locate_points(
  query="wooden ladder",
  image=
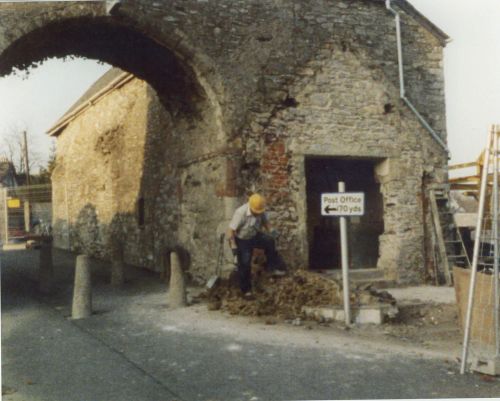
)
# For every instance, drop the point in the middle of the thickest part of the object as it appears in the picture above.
(449, 248)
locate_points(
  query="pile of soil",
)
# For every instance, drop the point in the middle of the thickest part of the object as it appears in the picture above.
(284, 297)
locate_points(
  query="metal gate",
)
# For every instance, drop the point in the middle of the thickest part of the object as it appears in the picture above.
(26, 210)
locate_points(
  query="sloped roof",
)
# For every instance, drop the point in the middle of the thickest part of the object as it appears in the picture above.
(110, 80)
(105, 79)
(422, 20)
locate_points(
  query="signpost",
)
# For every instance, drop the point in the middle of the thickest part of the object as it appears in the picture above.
(344, 204)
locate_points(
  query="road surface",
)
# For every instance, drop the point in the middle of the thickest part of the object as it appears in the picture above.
(135, 348)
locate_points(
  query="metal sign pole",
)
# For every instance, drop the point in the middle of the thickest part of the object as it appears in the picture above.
(344, 204)
(345, 263)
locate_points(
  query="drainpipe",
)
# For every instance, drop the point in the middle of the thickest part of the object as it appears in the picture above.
(402, 92)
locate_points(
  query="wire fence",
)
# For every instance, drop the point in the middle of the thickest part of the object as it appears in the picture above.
(480, 315)
(484, 323)
(26, 210)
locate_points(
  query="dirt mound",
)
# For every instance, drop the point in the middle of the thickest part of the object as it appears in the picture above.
(284, 297)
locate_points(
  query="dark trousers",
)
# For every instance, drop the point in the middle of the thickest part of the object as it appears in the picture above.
(245, 248)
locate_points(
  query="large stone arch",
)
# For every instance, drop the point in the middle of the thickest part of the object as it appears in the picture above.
(180, 74)
(169, 63)
(245, 58)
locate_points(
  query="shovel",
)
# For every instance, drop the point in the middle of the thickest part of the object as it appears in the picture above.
(212, 281)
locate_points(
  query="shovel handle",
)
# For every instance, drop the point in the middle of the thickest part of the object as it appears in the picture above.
(220, 255)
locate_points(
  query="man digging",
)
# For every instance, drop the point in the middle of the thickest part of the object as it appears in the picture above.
(245, 233)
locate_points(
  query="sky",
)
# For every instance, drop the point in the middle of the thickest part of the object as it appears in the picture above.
(472, 77)
(35, 102)
(472, 61)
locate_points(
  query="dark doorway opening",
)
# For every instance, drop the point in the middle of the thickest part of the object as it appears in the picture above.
(323, 175)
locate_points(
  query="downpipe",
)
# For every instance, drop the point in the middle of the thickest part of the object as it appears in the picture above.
(402, 91)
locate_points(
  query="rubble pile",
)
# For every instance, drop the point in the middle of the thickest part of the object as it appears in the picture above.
(420, 315)
(284, 297)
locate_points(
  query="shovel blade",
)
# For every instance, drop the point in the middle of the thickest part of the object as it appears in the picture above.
(212, 281)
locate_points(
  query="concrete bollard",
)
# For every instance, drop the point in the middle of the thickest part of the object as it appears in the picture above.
(82, 291)
(117, 266)
(46, 269)
(177, 288)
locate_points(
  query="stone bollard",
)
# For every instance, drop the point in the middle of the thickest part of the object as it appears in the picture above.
(82, 292)
(46, 269)
(177, 288)
(117, 266)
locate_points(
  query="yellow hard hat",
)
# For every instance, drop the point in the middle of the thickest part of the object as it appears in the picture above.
(257, 204)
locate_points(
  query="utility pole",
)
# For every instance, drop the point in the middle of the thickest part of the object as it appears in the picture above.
(26, 160)
(27, 206)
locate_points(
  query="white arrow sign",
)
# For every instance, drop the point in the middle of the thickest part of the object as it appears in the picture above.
(343, 204)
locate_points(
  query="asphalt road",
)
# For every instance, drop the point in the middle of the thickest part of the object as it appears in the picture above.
(134, 348)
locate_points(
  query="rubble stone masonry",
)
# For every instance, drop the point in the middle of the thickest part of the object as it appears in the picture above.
(244, 91)
(127, 150)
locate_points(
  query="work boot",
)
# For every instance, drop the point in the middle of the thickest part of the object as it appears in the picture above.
(248, 296)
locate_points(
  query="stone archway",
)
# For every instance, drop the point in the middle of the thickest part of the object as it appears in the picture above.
(174, 72)
(248, 61)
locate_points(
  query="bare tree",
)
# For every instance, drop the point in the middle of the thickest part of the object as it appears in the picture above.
(12, 147)
(45, 174)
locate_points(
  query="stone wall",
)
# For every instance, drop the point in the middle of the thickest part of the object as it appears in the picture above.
(244, 53)
(125, 150)
(339, 110)
(138, 150)
(251, 88)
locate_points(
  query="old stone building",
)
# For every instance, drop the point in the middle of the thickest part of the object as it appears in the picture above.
(123, 173)
(282, 97)
(7, 173)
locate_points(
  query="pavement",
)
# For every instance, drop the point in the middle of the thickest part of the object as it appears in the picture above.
(134, 347)
(424, 294)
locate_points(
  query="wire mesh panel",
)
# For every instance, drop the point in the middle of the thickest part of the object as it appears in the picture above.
(26, 210)
(3, 215)
(478, 288)
(482, 326)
